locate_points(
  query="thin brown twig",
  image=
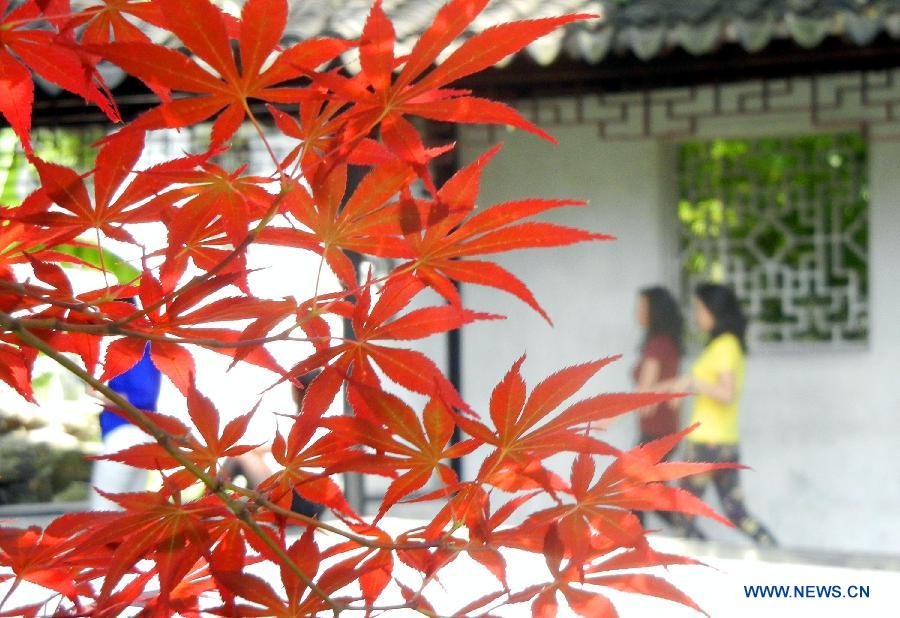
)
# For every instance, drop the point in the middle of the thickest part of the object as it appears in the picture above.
(360, 540)
(25, 290)
(110, 328)
(165, 440)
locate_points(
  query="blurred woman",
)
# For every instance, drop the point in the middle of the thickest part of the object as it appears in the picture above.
(660, 318)
(717, 380)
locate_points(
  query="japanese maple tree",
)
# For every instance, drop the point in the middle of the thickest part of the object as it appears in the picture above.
(164, 555)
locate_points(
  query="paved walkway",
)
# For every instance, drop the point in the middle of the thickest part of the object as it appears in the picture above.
(739, 582)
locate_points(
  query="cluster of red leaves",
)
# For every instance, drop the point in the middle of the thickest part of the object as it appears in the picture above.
(166, 556)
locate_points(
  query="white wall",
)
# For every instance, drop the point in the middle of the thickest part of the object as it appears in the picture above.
(589, 289)
(820, 430)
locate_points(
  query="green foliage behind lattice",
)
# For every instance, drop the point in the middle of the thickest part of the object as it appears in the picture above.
(785, 219)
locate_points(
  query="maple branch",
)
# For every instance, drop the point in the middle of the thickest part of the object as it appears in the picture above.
(371, 104)
(213, 484)
(111, 328)
(25, 290)
(200, 279)
(388, 608)
(261, 500)
(165, 441)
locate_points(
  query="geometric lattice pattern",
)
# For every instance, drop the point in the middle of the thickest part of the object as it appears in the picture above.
(866, 101)
(785, 222)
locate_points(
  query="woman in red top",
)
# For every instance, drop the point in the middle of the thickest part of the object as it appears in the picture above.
(660, 317)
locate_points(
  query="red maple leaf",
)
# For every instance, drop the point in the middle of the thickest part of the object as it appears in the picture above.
(527, 430)
(210, 202)
(440, 231)
(408, 368)
(36, 556)
(164, 316)
(110, 19)
(54, 57)
(569, 580)
(380, 99)
(304, 462)
(401, 443)
(365, 223)
(202, 28)
(115, 203)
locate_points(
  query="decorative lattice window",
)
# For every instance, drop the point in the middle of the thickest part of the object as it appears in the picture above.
(785, 222)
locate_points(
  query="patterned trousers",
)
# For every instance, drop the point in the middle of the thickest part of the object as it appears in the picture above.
(728, 488)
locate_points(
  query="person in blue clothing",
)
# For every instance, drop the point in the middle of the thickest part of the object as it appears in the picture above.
(140, 385)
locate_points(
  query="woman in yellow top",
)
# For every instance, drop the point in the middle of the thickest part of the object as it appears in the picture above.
(717, 380)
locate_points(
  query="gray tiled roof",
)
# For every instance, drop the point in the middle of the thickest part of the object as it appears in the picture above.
(645, 27)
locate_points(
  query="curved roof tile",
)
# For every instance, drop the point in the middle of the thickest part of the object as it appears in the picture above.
(644, 27)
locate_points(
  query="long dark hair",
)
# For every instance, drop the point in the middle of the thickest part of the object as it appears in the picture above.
(664, 316)
(723, 304)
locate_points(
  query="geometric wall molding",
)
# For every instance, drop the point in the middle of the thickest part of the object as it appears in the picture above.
(865, 101)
